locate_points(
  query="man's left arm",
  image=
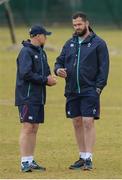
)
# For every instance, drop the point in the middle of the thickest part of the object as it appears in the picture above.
(103, 67)
(48, 71)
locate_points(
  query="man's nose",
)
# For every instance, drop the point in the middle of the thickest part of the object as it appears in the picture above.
(77, 27)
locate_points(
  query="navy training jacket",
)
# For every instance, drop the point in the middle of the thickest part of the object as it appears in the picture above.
(32, 72)
(87, 64)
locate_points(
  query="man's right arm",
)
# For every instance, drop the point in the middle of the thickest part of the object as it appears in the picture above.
(59, 68)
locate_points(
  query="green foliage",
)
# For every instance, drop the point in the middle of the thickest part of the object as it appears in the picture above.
(56, 147)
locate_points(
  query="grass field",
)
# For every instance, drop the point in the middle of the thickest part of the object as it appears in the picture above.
(56, 147)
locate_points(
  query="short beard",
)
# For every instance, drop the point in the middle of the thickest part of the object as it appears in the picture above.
(82, 33)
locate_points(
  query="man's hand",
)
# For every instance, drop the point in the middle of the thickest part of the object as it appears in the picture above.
(62, 72)
(51, 80)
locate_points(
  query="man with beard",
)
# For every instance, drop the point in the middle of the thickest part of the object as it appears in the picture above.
(84, 64)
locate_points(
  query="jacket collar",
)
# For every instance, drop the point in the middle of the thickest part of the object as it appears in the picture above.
(85, 41)
(28, 44)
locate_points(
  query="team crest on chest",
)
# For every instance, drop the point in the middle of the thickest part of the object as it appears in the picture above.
(36, 56)
(71, 45)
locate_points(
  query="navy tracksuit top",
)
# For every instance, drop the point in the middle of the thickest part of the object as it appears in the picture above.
(32, 72)
(87, 64)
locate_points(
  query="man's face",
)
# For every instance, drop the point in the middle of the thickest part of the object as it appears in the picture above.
(80, 26)
(41, 39)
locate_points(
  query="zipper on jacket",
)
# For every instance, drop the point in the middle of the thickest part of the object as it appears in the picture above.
(42, 76)
(80, 40)
(28, 94)
(78, 62)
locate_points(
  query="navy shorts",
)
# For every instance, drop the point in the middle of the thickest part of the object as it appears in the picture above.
(85, 106)
(31, 113)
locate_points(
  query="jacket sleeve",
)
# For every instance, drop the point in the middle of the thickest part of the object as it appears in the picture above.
(103, 65)
(60, 61)
(25, 69)
(48, 71)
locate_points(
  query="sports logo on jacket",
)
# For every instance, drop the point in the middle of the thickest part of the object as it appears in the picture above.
(71, 45)
(36, 56)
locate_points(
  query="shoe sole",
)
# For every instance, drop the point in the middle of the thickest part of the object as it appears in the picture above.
(26, 171)
(86, 169)
(75, 168)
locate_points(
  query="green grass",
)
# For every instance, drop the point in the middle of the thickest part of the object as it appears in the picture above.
(56, 147)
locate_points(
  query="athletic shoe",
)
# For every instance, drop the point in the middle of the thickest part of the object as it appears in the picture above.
(78, 164)
(87, 164)
(35, 166)
(25, 167)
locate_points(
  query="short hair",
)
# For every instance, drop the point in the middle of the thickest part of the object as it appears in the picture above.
(81, 15)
